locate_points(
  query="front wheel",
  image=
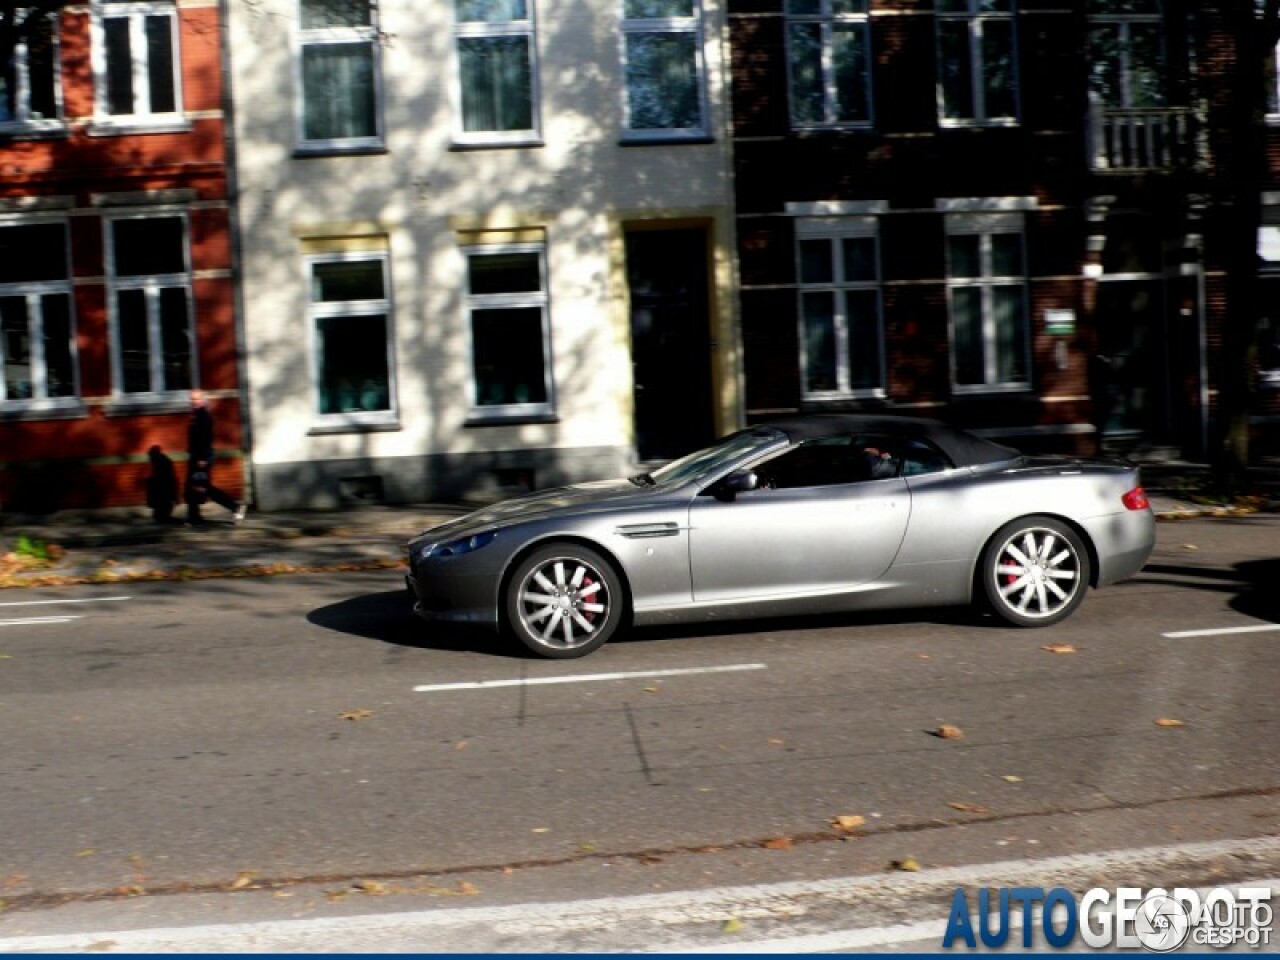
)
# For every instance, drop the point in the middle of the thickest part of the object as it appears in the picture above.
(1035, 572)
(564, 600)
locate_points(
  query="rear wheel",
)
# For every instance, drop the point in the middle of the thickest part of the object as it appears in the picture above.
(1035, 571)
(564, 600)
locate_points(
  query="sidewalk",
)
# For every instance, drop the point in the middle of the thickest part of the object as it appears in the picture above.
(122, 545)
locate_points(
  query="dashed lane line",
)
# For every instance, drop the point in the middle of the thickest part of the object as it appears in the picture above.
(585, 678)
(26, 621)
(45, 603)
(1221, 631)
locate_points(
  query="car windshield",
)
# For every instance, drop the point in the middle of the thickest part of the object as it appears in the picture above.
(711, 459)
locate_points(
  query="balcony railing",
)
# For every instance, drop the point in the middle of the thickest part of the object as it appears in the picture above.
(1135, 140)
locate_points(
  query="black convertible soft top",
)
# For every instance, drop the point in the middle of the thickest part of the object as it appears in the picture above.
(963, 448)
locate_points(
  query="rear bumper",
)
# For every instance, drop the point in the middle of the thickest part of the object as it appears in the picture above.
(1124, 542)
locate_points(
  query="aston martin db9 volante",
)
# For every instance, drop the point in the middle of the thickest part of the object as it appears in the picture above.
(809, 515)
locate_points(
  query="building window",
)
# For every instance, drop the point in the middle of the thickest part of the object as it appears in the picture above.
(662, 63)
(350, 315)
(37, 326)
(828, 56)
(977, 62)
(987, 294)
(497, 71)
(510, 339)
(1126, 53)
(30, 88)
(841, 330)
(339, 66)
(136, 60)
(152, 319)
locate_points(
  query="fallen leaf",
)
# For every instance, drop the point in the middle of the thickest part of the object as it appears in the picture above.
(1059, 648)
(967, 807)
(87, 852)
(131, 890)
(336, 894)
(355, 715)
(909, 865)
(587, 847)
(541, 830)
(776, 741)
(466, 889)
(651, 689)
(778, 843)
(1010, 778)
(1166, 722)
(732, 925)
(849, 822)
(243, 879)
(948, 732)
(462, 745)
(1189, 546)
(372, 887)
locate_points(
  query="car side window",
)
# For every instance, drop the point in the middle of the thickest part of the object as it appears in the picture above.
(920, 457)
(830, 461)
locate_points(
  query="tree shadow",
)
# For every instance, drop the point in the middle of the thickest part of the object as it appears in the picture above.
(1251, 583)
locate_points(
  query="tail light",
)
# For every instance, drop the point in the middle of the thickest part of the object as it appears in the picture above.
(1136, 499)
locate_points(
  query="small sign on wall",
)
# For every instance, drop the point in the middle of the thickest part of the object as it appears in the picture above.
(1060, 323)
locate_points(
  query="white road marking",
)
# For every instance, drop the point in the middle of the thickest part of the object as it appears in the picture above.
(40, 603)
(686, 921)
(1221, 631)
(585, 678)
(18, 623)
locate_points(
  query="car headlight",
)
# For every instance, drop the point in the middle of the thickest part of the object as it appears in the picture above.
(456, 548)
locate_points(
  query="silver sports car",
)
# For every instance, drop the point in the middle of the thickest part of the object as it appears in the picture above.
(808, 515)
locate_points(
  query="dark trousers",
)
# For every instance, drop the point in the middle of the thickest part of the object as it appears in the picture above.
(197, 494)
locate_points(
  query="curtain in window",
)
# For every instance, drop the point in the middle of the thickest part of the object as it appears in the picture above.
(338, 85)
(1011, 335)
(820, 341)
(662, 81)
(497, 83)
(966, 318)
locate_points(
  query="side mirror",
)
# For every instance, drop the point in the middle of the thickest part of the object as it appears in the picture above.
(741, 481)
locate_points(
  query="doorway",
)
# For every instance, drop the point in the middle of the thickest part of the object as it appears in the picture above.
(667, 272)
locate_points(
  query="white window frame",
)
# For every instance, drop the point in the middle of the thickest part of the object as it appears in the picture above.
(136, 12)
(833, 230)
(539, 299)
(977, 18)
(34, 292)
(471, 30)
(1273, 80)
(1122, 22)
(317, 310)
(306, 38)
(151, 286)
(985, 226)
(653, 26)
(23, 121)
(827, 18)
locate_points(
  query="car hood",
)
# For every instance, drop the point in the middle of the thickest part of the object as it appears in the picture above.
(603, 494)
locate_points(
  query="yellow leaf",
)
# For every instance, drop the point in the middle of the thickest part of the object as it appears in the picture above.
(242, 880)
(778, 843)
(541, 830)
(849, 822)
(355, 714)
(1189, 546)
(1010, 778)
(910, 865)
(86, 852)
(651, 689)
(466, 889)
(372, 887)
(1059, 648)
(732, 925)
(948, 732)
(462, 745)
(968, 807)
(1166, 722)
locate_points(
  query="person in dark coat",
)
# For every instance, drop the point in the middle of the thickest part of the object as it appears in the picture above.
(200, 486)
(162, 485)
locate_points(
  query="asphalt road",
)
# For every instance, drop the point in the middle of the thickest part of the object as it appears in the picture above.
(306, 740)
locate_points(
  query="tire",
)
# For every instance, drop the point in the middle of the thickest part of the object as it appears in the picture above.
(1035, 572)
(564, 600)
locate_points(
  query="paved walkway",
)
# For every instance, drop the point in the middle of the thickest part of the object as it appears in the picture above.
(122, 545)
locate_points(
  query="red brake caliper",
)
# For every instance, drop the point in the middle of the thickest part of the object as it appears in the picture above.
(590, 615)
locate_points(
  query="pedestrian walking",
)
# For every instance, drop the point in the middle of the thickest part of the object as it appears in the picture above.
(200, 488)
(162, 485)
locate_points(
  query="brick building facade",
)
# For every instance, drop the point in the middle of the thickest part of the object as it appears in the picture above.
(116, 287)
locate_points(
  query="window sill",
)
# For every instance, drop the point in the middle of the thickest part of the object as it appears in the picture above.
(388, 423)
(18, 410)
(34, 131)
(130, 128)
(987, 390)
(305, 151)
(659, 138)
(153, 403)
(832, 129)
(464, 144)
(508, 419)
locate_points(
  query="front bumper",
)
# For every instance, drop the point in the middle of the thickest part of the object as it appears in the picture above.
(440, 597)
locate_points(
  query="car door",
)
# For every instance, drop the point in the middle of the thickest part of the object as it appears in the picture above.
(818, 524)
